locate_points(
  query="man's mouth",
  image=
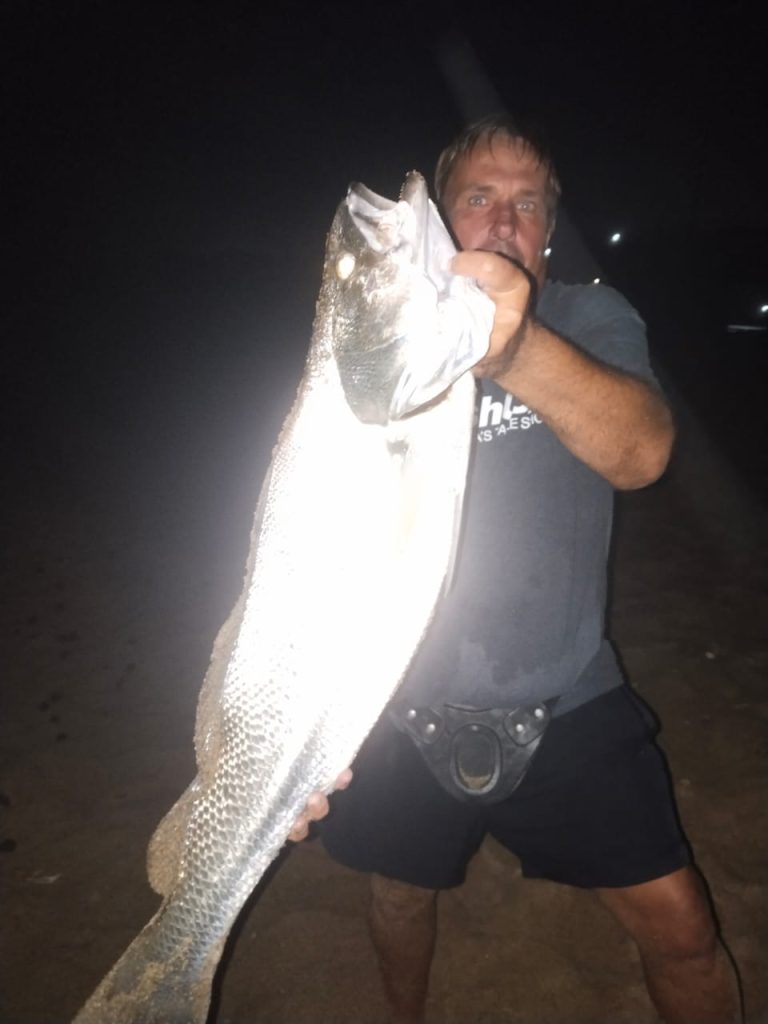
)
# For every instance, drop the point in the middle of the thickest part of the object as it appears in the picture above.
(510, 251)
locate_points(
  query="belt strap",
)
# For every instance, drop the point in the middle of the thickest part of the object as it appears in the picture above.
(476, 754)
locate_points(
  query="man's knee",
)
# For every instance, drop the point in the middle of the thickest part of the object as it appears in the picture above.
(670, 917)
(692, 941)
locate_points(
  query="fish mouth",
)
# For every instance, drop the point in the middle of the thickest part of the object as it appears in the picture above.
(363, 197)
(413, 192)
(385, 223)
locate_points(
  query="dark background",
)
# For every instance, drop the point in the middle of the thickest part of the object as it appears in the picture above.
(171, 170)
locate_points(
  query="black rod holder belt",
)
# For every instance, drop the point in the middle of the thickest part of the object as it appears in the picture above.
(476, 754)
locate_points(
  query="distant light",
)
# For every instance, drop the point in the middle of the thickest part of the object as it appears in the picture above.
(615, 238)
(548, 251)
(764, 308)
(596, 280)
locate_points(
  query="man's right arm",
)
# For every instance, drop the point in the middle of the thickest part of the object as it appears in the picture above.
(617, 424)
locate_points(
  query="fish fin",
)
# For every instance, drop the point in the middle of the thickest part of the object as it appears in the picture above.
(429, 487)
(454, 553)
(208, 720)
(167, 843)
(416, 482)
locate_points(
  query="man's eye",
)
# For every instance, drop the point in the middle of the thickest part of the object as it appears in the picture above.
(527, 206)
(477, 200)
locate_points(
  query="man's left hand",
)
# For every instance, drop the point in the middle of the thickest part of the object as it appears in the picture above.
(317, 808)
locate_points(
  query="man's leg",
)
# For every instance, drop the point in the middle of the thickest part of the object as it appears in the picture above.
(403, 921)
(689, 974)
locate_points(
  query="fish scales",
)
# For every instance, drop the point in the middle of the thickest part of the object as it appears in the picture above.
(354, 537)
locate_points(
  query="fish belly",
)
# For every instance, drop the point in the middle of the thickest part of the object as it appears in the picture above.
(354, 536)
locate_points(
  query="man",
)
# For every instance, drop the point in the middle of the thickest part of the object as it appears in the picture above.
(569, 410)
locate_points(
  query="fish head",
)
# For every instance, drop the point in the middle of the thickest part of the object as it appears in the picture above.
(398, 334)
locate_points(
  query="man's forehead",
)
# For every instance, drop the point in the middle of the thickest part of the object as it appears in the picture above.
(499, 157)
(502, 149)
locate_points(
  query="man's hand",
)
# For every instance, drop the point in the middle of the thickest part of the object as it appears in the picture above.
(317, 808)
(509, 286)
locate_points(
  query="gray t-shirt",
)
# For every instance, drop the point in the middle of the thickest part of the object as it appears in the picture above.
(524, 619)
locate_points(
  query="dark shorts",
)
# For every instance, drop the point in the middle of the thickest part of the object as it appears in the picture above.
(595, 810)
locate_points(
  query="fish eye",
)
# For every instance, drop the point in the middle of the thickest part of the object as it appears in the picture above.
(345, 264)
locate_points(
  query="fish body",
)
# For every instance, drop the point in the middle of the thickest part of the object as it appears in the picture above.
(354, 537)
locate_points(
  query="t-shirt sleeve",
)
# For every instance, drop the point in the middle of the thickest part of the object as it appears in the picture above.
(601, 322)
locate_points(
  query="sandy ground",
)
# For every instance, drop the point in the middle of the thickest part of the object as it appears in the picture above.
(111, 597)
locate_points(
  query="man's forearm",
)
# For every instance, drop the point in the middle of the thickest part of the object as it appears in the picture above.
(618, 425)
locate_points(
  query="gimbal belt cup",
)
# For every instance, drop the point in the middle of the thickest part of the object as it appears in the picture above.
(476, 754)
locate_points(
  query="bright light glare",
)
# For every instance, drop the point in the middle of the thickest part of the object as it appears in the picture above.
(615, 237)
(596, 280)
(764, 308)
(548, 251)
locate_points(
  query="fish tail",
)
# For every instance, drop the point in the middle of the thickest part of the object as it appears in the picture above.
(146, 987)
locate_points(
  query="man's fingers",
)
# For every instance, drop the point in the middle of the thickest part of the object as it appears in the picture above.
(300, 829)
(509, 286)
(493, 272)
(343, 780)
(317, 807)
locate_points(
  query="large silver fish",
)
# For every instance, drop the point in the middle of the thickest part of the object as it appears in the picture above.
(354, 537)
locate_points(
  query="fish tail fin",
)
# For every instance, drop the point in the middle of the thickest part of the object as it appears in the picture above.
(147, 987)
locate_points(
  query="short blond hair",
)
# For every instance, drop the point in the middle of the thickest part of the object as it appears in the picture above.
(486, 130)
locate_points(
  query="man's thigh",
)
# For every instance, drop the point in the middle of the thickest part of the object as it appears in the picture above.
(597, 809)
(395, 820)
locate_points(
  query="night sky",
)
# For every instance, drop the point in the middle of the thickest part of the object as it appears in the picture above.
(172, 169)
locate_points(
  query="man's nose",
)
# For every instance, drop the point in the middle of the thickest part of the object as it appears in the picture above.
(505, 220)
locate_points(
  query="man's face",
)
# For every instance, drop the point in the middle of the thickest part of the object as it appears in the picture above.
(495, 199)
